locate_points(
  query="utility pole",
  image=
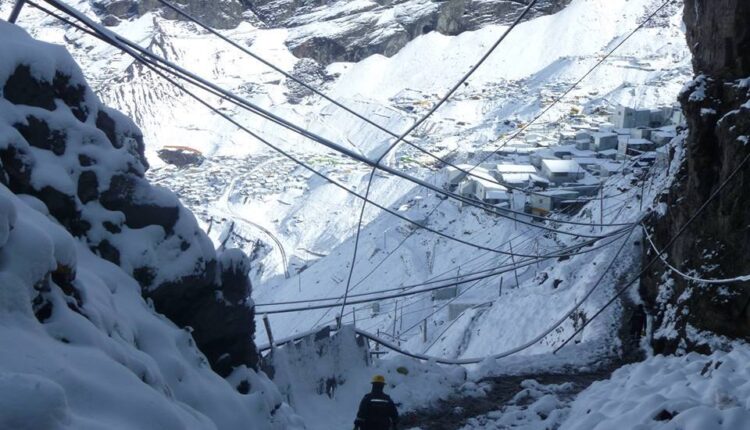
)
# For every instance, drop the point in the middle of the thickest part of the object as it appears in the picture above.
(601, 208)
(16, 11)
(395, 315)
(513, 260)
(643, 190)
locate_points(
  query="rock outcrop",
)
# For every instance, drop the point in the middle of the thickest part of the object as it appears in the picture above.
(717, 244)
(84, 162)
(216, 13)
(330, 31)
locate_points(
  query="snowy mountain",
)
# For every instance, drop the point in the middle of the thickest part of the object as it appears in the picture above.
(293, 223)
(575, 61)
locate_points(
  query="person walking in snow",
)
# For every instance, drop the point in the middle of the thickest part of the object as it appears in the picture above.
(376, 410)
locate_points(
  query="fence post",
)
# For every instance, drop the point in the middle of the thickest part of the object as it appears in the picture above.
(424, 330)
(267, 324)
(338, 321)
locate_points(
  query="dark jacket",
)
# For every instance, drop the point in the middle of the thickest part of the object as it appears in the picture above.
(376, 411)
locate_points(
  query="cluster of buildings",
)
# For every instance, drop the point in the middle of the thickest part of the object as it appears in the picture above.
(569, 170)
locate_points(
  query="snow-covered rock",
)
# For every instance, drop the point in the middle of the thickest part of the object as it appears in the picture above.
(693, 392)
(83, 164)
(83, 350)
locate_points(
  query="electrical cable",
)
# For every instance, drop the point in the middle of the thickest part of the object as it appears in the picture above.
(411, 293)
(668, 245)
(664, 260)
(183, 74)
(154, 68)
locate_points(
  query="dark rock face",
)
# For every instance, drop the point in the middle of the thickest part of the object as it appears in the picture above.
(226, 306)
(216, 13)
(181, 157)
(338, 31)
(717, 243)
(86, 164)
(309, 72)
(359, 33)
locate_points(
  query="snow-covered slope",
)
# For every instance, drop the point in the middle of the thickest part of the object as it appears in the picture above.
(104, 358)
(81, 347)
(293, 223)
(312, 222)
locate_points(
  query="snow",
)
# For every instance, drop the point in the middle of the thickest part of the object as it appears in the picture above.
(115, 362)
(242, 182)
(689, 392)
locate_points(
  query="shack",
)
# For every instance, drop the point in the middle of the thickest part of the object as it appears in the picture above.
(635, 146)
(544, 202)
(625, 117)
(561, 171)
(603, 141)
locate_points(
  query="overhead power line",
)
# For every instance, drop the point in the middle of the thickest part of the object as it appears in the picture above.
(557, 100)
(463, 280)
(666, 247)
(414, 126)
(677, 271)
(157, 69)
(183, 74)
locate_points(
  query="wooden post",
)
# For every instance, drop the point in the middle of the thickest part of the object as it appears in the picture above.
(16, 11)
(500, 289)
(424, 330)
(601, 208)
(267, 324)
(513, 260)
(643, 189)
(338, 321)
(395, 316)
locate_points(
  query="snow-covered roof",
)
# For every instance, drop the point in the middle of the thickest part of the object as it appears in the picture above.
(638, 142)
(517, 178)
(562, 166)
(601, 134)
(588, 160)
(515, 168)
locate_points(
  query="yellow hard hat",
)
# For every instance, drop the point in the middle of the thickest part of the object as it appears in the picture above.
(378, 379)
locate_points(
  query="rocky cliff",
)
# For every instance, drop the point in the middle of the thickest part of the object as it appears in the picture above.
(84, 164)
(717, 244)
(329, 31)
